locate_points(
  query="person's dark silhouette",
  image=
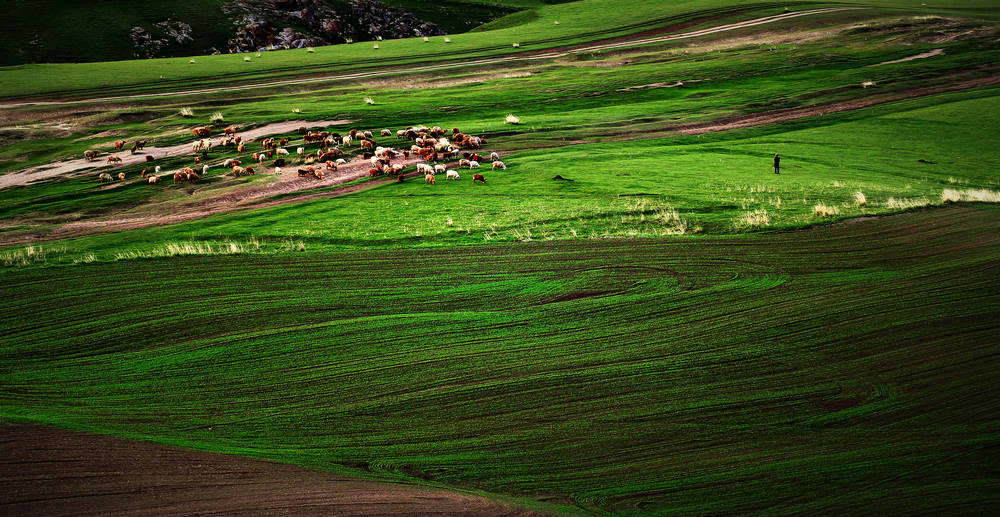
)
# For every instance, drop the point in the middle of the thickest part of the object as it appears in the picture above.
(777, 163)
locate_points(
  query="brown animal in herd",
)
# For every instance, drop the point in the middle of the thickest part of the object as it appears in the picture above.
(149, 158)
(429, 178)
(330, 166)
(201, 132)
(121, 176)
(114, 160)
(231, 130)
(283, 142)
(120, 144)
(91, 155)
(478, 177)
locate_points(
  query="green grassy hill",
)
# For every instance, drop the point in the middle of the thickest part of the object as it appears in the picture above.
(677, 330)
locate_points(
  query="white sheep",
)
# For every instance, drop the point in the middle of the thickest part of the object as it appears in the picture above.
(282, 151)
(369, 135)
(157, 170)
(204, 169)
(424, 168)
(277, 170)
(386, 132)
(452, 175)
(499, 165)
(341, 161)
(152, 179)
(494, 156)
(438, 169)
(375, 160)
(300, 151)
(347, 140)
(473, 164)
(463, 163)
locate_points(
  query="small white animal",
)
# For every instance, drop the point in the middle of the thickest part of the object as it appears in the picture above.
(277, 169)
(473, 164)
(452, 175)
(499, 165)
(157, 170)
(282, 151)
(300, 151)
(439, 169)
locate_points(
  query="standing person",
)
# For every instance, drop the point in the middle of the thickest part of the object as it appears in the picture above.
(777, 163)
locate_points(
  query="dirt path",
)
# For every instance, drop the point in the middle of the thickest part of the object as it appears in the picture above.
(607, 44)
(55, 169)
(784, 115)
(925, 55)
(53, 472)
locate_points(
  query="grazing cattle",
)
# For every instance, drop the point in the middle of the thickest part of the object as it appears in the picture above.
(307, 171)
(330, 166)
(425, 168)
(438, 169)
(452, 175)
(152, 179)
(478, 178)
(386, 132)
(193, 178)
(134, 148)
(368, 145)
(250, 170)
(179, 177)
(120, 144)
(283, 142)
(231, 130)
(282, 152)
(318, 174)
(238, 171)
(121, 176)
(499, 165)
(464, 163)
(114, 160)
(330, 155)
(90, 155)
(280, 162)
(429, 178)
(201, 132)
(149, 158)
(104, 177)
(473, 164)
(232, 162)
(494, 157)
(346, 141)
(139, 145)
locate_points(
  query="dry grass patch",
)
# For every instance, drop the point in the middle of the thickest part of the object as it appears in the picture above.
(824, 210)
(906, 203)
(753, 219)
(971, 195)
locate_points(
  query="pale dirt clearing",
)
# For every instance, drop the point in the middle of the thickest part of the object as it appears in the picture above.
(63, 168)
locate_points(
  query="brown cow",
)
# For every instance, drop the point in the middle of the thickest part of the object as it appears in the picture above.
(90, 155)
(429, 178)
(119, 145)
(114, 159)
(201, 132)
(231, 130)
(478, 177)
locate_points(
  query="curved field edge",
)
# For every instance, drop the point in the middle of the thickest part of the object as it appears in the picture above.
(52, 472)
(740, 374)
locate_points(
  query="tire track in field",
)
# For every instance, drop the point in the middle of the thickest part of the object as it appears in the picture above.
(525, 56)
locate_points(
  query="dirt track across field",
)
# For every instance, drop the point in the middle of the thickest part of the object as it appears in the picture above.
(527, 54)
(56, 169)
(51, 472)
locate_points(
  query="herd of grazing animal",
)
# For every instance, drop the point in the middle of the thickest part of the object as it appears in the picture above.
(429, 144)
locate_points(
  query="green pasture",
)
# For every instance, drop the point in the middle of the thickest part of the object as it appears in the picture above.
(846, 369)
(578, 21)
(687, 185)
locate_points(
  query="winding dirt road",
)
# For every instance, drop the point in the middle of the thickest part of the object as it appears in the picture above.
(558, 52)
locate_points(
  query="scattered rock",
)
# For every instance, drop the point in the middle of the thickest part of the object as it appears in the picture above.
(560, 178)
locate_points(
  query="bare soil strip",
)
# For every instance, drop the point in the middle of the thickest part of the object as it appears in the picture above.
(925, 55)
(608, 44)
(53, 473)
(55, 169)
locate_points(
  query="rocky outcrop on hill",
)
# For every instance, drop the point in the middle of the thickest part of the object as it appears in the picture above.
(168, 32)
(267, 24)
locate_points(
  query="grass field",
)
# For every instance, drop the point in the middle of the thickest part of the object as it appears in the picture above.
(677, 330)
(839, 369)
